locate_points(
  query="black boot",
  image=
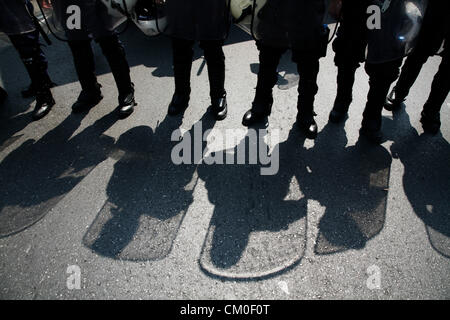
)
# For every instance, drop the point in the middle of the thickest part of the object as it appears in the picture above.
(371, 129)
(431, 121)
(179, 104)
(258, 113)
(394, 100)
(3, 95)
(307, 125)
(44, 103)
(339, 111)
(126, 104)
(219, 107)
(88, 99)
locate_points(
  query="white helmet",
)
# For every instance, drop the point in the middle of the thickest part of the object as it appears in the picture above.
(147, 17)
(241, 8)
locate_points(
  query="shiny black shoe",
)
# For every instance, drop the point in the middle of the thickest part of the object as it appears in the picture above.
(179, 104)
(219, 107)
(431, 122)
(339, 112)
(251, 117)
(87, 99)
(308, 125)
(371, 130)
(393, 101)
(3, 95)
(44, 103)
(126, 105)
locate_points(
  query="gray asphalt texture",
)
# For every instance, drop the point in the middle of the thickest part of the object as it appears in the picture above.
(103, 194)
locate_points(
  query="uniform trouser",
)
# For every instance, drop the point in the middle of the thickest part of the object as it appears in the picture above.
(114, 52)
(440, 86)
(29, 49)
(183, 54)
(349, 48)
(410, 71)
(441, 82)
(381, 77)
(308, 69)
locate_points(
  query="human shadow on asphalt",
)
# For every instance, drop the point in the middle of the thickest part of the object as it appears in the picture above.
(259, 226)
(426, 178)
(148, 194)
(37, 174)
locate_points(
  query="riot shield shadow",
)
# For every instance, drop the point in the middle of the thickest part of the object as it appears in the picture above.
(258, 228)
(426, 179)
(354, 189)
(148, 195)
(37, 174)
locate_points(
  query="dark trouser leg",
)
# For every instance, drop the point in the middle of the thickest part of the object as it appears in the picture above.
(440, 86)
(308, 70)
(269, 58)
(381, 76)
(83, 58)
(409, 73)
(439, 91)
(345, 82)
(182, 65)
(346, 70)
(349, 48)
(29, 49)
(36, 64)
(215, 58)
(114, 52)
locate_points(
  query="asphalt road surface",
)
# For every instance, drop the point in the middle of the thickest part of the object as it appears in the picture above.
(99, 199)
